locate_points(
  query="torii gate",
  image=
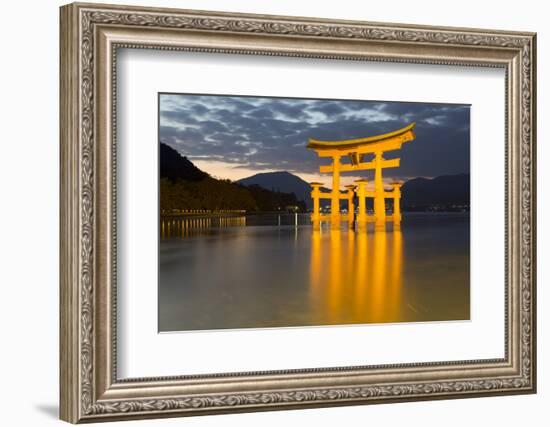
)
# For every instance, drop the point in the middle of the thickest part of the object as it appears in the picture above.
(356, 149)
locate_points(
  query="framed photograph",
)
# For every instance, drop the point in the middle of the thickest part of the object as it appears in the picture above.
(267, 212)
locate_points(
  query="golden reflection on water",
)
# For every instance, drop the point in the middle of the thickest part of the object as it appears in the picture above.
(192, 226)
(249, 274)
(357, 277)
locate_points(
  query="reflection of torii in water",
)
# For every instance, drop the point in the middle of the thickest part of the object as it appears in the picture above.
(356, 149)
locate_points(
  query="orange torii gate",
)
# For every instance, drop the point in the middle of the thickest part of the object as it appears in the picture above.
(356, 149)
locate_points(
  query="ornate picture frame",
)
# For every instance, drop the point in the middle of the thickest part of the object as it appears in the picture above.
(90, 37)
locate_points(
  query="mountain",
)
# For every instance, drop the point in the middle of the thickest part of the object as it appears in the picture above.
(442, 191)
(417, 194)
(283, 182)
(174, 166)
(183, 186)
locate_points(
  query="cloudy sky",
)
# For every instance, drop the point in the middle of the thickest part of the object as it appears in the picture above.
(234, 136)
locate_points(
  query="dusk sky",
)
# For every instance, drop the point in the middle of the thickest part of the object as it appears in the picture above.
(234, 137)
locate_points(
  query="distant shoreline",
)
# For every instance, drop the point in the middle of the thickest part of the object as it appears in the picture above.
(232, 213)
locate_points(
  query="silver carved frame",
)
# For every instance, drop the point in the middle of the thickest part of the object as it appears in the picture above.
(90, 36)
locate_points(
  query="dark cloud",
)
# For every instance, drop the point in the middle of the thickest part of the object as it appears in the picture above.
(272, 133)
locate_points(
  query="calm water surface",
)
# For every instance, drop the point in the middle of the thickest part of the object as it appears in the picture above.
(226, 273)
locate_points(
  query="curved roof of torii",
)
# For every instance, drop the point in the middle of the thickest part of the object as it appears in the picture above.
(354, 143)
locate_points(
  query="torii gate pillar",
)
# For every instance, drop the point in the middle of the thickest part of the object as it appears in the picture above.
(362, 196)
(379, 201)
(351, 205)
(396, 205)
(335, 196)
(316, 195)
